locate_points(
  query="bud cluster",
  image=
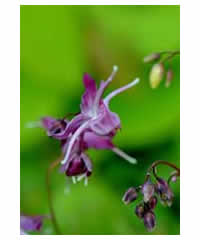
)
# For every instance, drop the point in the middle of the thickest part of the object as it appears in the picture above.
(151, 192)
(158, 70)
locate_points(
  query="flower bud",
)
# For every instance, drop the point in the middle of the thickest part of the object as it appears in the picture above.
(165, 193)
(151, 58)
(149, 220)
(139, 210)
(152, 202)
(156, 75)
(148, 190)
(130, 195)
(169, 78)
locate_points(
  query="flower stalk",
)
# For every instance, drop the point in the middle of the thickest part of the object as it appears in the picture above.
(50, 199)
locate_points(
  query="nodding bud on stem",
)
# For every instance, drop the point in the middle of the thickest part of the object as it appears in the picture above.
(164, 191)
(130, 195)
(139, 210)
(169, 78)
(147, 190)
(156, 75)
(152, 57)
(149, 220)
(152, 202)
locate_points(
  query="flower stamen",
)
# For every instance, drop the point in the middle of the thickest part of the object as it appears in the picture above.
(120, 90)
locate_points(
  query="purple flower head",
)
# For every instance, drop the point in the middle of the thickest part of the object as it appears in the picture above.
(94, 127)
(30, 223)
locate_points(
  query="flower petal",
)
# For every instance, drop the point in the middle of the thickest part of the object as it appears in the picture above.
(92, 140)
(106, 122)
(48, 122)
(89, 95)
(56, 128)
(31, 223)
(87, 162)
(74, 124)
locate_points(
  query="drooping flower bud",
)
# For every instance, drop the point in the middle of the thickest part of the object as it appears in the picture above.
(139, 210)
(152, 202)
(165, 193)
(130, 195)
(169, 78)
(148, 190)
(149, 220)
(152, 57)
(156, 75)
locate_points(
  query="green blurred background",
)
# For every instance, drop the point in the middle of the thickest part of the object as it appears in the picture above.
(59, 44)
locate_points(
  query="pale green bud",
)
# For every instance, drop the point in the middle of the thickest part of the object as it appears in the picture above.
(156, 75)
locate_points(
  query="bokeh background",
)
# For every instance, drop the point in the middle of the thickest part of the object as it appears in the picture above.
(59, 44)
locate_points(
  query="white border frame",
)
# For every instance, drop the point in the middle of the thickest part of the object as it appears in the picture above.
(10, 102)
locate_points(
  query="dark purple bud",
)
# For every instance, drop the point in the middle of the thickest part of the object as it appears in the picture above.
(130, 195)
(148, 190)
(152, 57)
(152, 202)
(165, 193)
(149, 220)
(139, 210)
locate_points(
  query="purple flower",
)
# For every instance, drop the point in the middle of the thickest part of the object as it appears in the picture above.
(30, 223)
(94, 127)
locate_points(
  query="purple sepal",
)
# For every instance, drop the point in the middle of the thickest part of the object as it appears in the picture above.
(98, 142)
(56, 128)
(30, 223)
(89, 95)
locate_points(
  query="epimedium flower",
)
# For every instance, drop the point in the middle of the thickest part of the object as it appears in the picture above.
(94, 127)
(30, 223)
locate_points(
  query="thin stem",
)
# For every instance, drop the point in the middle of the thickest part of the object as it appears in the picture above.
(170, 56)
(155, 164)
(50, 200)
